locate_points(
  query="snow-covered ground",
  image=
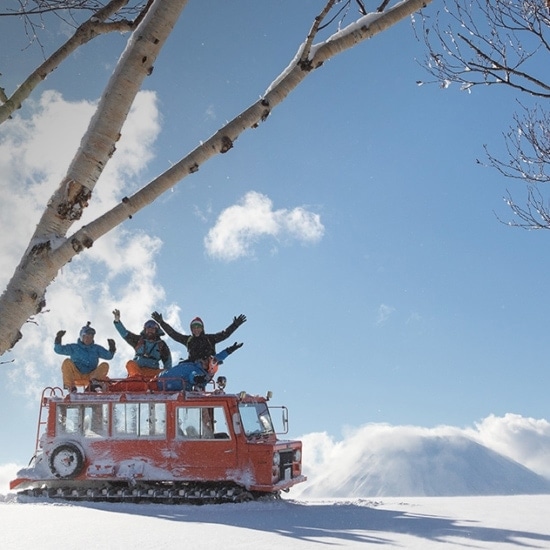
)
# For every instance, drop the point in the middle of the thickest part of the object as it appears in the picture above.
(393, 486)
(411, 523)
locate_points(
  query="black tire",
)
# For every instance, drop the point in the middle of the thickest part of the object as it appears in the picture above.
(66, 461)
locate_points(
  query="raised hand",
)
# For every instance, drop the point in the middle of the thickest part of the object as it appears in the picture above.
(234, 347)
(238, 321)
(116, 313)
(157, 316)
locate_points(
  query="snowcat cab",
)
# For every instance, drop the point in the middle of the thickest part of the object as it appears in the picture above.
(134, 442)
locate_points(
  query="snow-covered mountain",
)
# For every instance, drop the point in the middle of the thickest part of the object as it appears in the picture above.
(407, 462)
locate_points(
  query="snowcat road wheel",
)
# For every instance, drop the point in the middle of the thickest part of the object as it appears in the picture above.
(66, 461)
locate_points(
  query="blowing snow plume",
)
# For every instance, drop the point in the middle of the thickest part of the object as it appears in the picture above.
(380, 460)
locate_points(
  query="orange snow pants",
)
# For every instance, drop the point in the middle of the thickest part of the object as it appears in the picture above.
(135, 370)
(72, 376)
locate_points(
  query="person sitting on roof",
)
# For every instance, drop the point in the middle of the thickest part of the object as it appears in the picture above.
(194, 375)
(199, 344)
(84, 355)
(150, 349)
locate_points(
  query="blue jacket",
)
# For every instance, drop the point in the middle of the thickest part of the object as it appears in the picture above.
(184, 374)
(85, 357)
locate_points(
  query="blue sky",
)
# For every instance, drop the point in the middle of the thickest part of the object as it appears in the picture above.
(412, 304)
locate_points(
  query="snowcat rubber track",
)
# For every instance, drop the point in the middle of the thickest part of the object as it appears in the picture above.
(195, 493)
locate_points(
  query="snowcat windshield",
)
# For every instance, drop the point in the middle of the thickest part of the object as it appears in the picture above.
(256, 419)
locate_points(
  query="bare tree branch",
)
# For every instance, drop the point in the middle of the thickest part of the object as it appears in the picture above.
(488, 43)
(528, 148)
(536, 215)
(95, 26)
(306, 49)
(30, 8)
(505, 43)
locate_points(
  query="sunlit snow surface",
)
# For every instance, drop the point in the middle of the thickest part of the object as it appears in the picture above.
(412, 523)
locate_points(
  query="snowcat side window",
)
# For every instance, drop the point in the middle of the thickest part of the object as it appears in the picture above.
(153, 419)
(256, 419)
(86, 420)
(69, 419)
(201, 423)
(139, 419)
(96, 421)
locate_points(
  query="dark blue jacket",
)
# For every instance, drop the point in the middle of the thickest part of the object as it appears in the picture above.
(184, 374)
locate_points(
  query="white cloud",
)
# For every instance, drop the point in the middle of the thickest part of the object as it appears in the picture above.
(210, 113)
(118, 271)
(240, 226)
(525, 440)
(33, 157)
(384, 313)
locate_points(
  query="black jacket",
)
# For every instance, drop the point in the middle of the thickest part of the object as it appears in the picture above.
(199, 347)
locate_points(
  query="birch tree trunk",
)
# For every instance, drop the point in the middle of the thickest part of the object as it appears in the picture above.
(50, 249)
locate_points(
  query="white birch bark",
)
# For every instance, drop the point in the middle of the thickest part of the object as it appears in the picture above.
(50, 250)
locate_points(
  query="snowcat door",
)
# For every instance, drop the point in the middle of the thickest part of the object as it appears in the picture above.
(204, 442)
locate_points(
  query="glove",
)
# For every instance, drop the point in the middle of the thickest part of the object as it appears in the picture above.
(112, 345)
(157, 316)
(59, 335)
(234, 347)
(116, 313)
(238, 321)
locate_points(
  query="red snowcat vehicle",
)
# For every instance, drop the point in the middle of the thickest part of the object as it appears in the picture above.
(133, 442)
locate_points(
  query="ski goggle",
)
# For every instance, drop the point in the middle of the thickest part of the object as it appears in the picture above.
(150, 324)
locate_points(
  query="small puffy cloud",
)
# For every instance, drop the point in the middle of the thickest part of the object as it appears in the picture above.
(384, 313)
(210, 113)
(241, 226)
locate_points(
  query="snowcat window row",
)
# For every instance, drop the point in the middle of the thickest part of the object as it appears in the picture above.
(201, 423)
(139, 420)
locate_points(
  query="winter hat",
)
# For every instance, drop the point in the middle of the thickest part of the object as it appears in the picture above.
(87, 330)
(196, 321)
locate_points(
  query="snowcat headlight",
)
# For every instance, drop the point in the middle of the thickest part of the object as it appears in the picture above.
(276, 459)
(297, 455)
